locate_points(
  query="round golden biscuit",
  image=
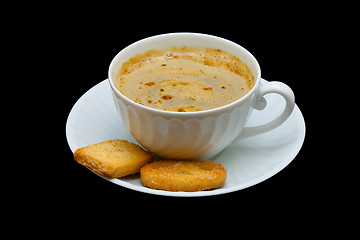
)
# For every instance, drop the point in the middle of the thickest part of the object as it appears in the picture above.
(186, 176)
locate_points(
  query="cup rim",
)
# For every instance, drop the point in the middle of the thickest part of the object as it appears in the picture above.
(198, 113)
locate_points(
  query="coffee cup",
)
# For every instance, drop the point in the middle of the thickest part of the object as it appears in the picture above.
(199, 134)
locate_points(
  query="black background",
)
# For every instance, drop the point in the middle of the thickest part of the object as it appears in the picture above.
(54, 52)
(288, 47)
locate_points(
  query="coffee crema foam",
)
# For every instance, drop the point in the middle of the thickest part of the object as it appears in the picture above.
(184, 79)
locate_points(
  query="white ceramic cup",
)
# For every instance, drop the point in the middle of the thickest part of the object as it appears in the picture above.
(202, 134)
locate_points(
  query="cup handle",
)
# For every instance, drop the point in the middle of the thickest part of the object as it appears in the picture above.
(270, 87)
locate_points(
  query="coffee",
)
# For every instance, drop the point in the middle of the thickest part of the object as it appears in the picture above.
(184, 79)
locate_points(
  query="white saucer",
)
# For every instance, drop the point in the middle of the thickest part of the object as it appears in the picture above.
(93, 119)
